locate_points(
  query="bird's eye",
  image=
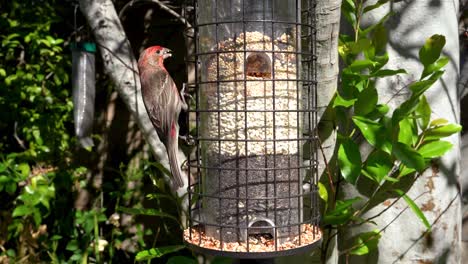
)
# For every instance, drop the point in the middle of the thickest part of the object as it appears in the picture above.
(158, 51)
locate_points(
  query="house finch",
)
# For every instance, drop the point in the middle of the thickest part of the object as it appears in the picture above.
(162, 102)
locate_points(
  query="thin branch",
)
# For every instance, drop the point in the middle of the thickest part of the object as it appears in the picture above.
(330, 178)
(161, 5)
(15, 135)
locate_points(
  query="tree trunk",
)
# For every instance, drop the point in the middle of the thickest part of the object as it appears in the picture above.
(437, 191)
(121, 66)
(328, 26)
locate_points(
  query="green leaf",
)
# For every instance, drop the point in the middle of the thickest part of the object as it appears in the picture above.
(378, 165)
(360, 46)
(441, 131)
(157, 252)
(408, 156)
(380, 38)
(72, 245)
(323, 193)
(414, 208)
(349, 160)
(2, 72)
(430, 52)
(181, 260)
(438, 122)
(366, 101)
(24, 170)
(366, 242)
(340, 101)
(348, 8)
(423, 112)
(359, 65)
(4, 179)
(21, 210)
(144, 211)
(11, 187)
(376, 25)
(387, 72)
(342, 213)
(434, 67)
(419, 87)
(405, 134)
(380, 111)
(373, 132)
(374, 6)
(435, 149)
(405, 171)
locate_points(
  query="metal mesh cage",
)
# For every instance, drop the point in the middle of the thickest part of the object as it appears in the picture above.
(253, 183)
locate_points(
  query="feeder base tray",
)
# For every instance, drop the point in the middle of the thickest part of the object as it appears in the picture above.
(259, 247)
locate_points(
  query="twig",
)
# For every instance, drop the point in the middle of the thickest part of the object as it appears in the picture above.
(15, 135)
(330, 178)
(161, 5)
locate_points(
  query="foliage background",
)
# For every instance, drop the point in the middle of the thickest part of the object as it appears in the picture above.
(58, 200)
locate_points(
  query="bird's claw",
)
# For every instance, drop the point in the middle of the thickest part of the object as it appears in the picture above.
(183, 95)
(189, 140)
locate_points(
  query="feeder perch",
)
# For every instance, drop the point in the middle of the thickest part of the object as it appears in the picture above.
(255, 129)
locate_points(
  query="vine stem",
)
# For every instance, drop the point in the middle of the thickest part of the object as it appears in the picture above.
(327, 167)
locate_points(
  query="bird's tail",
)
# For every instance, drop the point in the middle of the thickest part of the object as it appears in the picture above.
(174, 162)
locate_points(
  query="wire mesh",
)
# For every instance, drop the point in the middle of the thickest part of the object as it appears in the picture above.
(253, 184)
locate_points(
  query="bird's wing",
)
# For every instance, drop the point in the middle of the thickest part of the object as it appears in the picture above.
(159, 96)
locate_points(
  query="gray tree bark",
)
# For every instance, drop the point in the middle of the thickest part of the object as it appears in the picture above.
(121, 66)
(437, 191)
(328, 27)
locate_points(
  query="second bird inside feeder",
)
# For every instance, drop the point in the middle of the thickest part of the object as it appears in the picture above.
(258, 65)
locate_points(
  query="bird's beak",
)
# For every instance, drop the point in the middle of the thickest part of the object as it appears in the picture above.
(167, 53)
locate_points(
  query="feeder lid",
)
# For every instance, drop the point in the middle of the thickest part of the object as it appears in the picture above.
(83, 46)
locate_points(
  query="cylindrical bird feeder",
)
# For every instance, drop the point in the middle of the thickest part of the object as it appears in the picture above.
(253, 184)
(84, 90)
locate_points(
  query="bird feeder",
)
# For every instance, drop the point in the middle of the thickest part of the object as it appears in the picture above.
(253, 185)
(84, 90)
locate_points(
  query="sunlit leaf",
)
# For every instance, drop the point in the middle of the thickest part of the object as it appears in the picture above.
(21, 210)
(365, 243)
(414, 208)
(323, 193)
(423, 112)
(442, 131)
(435, 149)
(405, 134)
(373, 132)
(359, 65)
(436, 66)
(157, 252)
(340, 101)
(438, 122)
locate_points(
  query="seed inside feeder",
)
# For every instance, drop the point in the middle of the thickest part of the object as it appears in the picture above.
(250, 130)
